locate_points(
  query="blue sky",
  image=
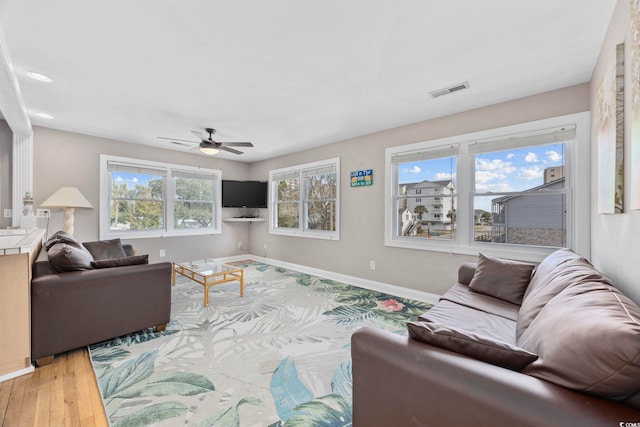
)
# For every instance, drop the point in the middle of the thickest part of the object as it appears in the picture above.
(512, 170)
(133, 179)
(503, 171)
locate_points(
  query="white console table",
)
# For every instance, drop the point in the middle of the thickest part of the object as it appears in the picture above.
(246, 220)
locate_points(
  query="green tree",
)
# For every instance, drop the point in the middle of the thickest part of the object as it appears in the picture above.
(321, 206)
(452, 215)
(420, 210)
(194, 203)
(288, 197)
(138, 207)
(486, 217)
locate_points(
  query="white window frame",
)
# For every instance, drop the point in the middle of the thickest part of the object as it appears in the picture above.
(577, 181)
(169, 207)
(302, 230)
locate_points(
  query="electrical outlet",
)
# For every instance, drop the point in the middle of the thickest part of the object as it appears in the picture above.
(240, 245)
(46, 213)
(161, 253)
(8, 213)
(372, 265)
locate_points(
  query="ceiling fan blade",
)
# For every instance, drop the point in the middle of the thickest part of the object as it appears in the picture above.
(199, 135)
(175, 139)
(237, 144)
(231, 150)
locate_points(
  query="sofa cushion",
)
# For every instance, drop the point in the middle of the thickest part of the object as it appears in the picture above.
(472, 320)
(550, 263)
(588, 339)
(501, 278)
(574, 269)
(473, 345)
(106, 249)
(69, 256)
(121, 262)
(461, 294)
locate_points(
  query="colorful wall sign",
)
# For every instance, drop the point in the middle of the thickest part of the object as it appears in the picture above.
(362, 178)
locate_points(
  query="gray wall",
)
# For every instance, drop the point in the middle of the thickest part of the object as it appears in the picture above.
(362, 208)
(71, 159)
(6, 150)
(615, 239)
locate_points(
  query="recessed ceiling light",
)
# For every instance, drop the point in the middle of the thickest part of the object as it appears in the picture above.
(39, 76)
(44, 116)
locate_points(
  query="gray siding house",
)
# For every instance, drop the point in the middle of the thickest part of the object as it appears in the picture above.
(531, 218)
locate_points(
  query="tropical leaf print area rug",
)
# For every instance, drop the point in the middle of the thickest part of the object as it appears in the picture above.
(278, 356)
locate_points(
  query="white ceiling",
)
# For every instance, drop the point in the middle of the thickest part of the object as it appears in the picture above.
(288, 75)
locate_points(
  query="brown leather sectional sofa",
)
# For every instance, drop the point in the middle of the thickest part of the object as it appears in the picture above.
(563, 349)
(73, 309)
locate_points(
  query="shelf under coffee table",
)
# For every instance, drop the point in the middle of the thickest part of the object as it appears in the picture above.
(208, 273)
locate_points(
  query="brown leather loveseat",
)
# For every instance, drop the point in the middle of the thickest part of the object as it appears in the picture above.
(505, 347)
(92, 292)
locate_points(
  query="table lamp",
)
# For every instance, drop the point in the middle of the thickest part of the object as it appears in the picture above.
(67, 198)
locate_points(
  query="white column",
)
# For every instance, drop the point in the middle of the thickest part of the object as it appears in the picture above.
(22, 172)
(15, 113)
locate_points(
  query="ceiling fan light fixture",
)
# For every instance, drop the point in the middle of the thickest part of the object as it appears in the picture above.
(211, 151)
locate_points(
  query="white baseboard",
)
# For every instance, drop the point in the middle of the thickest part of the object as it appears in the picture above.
(352, 280)
(12, 375)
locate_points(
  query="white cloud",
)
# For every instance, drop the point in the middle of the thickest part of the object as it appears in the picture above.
(530, 173)
(510, 156)
(483, 177)
(489, 170)
(553, 156)
(494, 188)
(497, 165)
(134, 179)
(415, 170)
(118, 179)
(531, 158)
(443, 176)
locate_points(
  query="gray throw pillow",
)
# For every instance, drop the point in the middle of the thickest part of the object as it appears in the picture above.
(501, 278)
(60, 236)
(121, 262)
(479, 347)
(106, 249)
(69, 256)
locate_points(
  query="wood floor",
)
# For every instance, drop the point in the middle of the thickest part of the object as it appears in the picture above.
(64, 393)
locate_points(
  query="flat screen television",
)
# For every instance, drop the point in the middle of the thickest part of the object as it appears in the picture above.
(244, 194)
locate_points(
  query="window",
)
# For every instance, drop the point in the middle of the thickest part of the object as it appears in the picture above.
(511, 191)
(151, 199)
(305, 200)
(521, 189)
(193, 200)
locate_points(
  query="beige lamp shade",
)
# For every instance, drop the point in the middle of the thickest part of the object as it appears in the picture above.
(67, 198)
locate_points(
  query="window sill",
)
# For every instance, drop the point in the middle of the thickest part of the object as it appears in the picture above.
(514, 252)
(307, 234)
(156, 234)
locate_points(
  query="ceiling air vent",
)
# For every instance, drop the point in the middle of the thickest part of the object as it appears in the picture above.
(450, 89)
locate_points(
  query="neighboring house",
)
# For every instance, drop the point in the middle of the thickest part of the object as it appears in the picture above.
(539, 220)
(432, 195)
(408, 221)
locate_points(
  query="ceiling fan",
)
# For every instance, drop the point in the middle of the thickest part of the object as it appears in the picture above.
(209, 146)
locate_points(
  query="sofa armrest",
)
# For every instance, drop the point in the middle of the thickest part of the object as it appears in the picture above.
(128, 249)
(71, 310)
(400, 381)
(466, 272)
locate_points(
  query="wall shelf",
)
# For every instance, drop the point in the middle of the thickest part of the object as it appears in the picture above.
(244, 219)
